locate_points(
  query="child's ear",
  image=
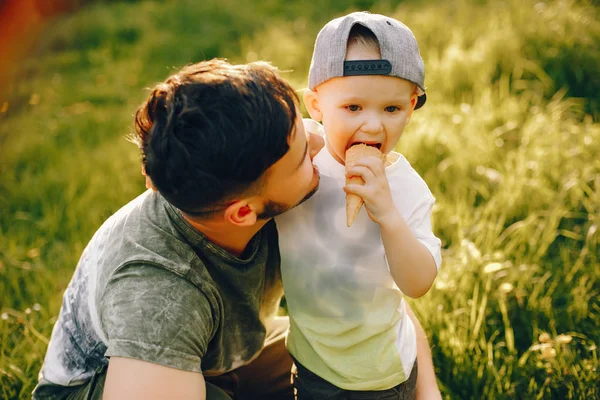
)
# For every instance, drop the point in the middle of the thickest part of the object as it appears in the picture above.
(311, 102)
(413, 102)
(241, 213)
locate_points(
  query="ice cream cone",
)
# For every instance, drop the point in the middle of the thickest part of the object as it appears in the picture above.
(353, 202)
(353, 154)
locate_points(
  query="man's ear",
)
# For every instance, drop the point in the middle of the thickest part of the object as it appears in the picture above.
(311, 102)
(241, 213)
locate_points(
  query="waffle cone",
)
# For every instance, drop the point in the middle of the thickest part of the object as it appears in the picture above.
(353, 154)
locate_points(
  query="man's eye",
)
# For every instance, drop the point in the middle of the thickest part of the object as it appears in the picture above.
(391, 109)
(353, 107)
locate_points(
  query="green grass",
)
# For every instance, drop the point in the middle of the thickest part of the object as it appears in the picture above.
(508, 143)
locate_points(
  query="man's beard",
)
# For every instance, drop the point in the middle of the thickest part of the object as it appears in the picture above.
(273, 208)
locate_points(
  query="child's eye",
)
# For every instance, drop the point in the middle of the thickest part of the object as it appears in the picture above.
(353, 107)
(391, 109)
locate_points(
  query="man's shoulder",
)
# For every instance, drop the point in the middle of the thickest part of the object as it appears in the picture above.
(144, 205)
(133, 216)
(141, 232)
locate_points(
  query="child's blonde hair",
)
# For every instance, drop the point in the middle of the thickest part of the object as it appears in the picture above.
(363, 36)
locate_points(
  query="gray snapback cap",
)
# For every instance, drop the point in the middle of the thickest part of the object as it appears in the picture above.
(400, 55)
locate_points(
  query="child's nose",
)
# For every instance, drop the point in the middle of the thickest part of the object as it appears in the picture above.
(372, 124)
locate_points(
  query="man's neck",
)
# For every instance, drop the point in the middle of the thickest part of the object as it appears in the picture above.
(229, 237)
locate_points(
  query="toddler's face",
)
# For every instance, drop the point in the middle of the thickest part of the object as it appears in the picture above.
(371, 109)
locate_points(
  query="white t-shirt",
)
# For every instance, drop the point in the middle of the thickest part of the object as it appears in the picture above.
(348, 321)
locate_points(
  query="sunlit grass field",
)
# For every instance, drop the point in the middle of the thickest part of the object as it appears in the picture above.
(509, 143)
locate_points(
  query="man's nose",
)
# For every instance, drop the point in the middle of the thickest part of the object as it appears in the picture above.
(315, 144)
(314, 136)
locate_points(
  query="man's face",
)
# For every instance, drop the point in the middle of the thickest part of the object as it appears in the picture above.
(370, 109)
(293, 178)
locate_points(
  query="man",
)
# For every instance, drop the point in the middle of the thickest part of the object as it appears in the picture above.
(176, 295)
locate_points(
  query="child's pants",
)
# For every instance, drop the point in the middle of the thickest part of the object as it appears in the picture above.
(312, 387)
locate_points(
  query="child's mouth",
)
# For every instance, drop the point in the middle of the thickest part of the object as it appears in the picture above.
(377, 145)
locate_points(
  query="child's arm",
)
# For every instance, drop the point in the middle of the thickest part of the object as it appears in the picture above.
(411, 264)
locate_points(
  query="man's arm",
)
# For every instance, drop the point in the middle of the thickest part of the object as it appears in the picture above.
(427, 388)
(128, 378)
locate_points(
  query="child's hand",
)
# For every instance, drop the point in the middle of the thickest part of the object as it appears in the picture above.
(376, 191)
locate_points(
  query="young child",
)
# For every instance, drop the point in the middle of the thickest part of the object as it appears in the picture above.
(344, 286)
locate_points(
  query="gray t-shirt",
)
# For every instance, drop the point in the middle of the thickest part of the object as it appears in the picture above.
(149, 286)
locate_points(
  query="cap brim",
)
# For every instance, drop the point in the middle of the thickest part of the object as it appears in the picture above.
(421, 101)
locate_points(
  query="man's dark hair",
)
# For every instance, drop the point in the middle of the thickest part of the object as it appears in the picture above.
(209, 132)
